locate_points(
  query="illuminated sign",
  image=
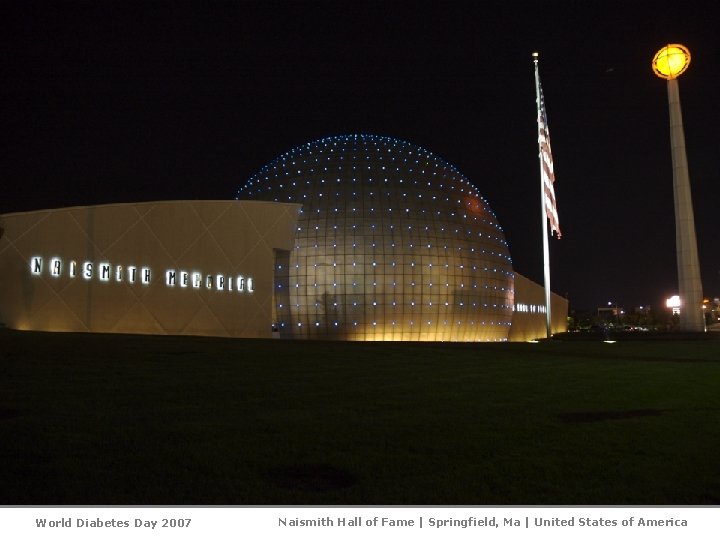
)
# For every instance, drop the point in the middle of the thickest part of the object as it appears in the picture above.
(107, 272)
(529, 308)
(219, 282)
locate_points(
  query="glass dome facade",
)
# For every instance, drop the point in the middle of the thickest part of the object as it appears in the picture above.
(392, 243)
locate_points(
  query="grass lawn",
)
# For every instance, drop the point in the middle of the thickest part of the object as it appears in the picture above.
(115, 419)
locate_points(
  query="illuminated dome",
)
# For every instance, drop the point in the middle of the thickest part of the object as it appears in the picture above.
(393, 243)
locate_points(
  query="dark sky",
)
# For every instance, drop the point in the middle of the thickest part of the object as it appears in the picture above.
(107, 102)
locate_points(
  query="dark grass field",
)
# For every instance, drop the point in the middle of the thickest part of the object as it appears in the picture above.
(114, 420)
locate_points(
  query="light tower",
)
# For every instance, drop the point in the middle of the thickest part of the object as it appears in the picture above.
(668, 63)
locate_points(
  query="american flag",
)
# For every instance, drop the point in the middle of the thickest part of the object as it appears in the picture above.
(548, 175)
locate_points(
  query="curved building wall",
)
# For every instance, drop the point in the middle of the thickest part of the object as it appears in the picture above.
(175, 267)
(392, 243)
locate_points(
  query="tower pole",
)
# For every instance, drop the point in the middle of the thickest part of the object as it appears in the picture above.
(688, 265)
(669, 63)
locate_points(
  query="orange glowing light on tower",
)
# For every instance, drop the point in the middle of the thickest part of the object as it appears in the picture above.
(671, 61)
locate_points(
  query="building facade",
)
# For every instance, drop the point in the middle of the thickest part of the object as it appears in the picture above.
(177, 267)
(350, 238)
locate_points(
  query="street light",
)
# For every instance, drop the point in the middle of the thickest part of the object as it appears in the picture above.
(617, 312)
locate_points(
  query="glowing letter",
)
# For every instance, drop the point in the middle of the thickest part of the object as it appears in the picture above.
(220, 282)
(104, 271)
(170, 278)
(145, 275)
(183, 279)
(197, 279)
(250, 284)
(55, 267)
(87, 270)
(36, 265)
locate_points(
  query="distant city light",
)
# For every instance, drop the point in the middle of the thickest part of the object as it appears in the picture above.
(674, 303)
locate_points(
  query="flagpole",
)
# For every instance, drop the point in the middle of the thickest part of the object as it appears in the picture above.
(546, 247)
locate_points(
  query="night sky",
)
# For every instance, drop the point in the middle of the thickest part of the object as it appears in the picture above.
(107, 102)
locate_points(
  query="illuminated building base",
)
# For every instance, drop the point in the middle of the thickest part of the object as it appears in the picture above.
(177, 267)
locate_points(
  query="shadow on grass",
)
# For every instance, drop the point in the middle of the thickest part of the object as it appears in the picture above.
(8, 414)
(311, 477)
(601, 416)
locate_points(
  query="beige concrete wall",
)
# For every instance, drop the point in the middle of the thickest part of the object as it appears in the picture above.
(528, 321)
(211, 238)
